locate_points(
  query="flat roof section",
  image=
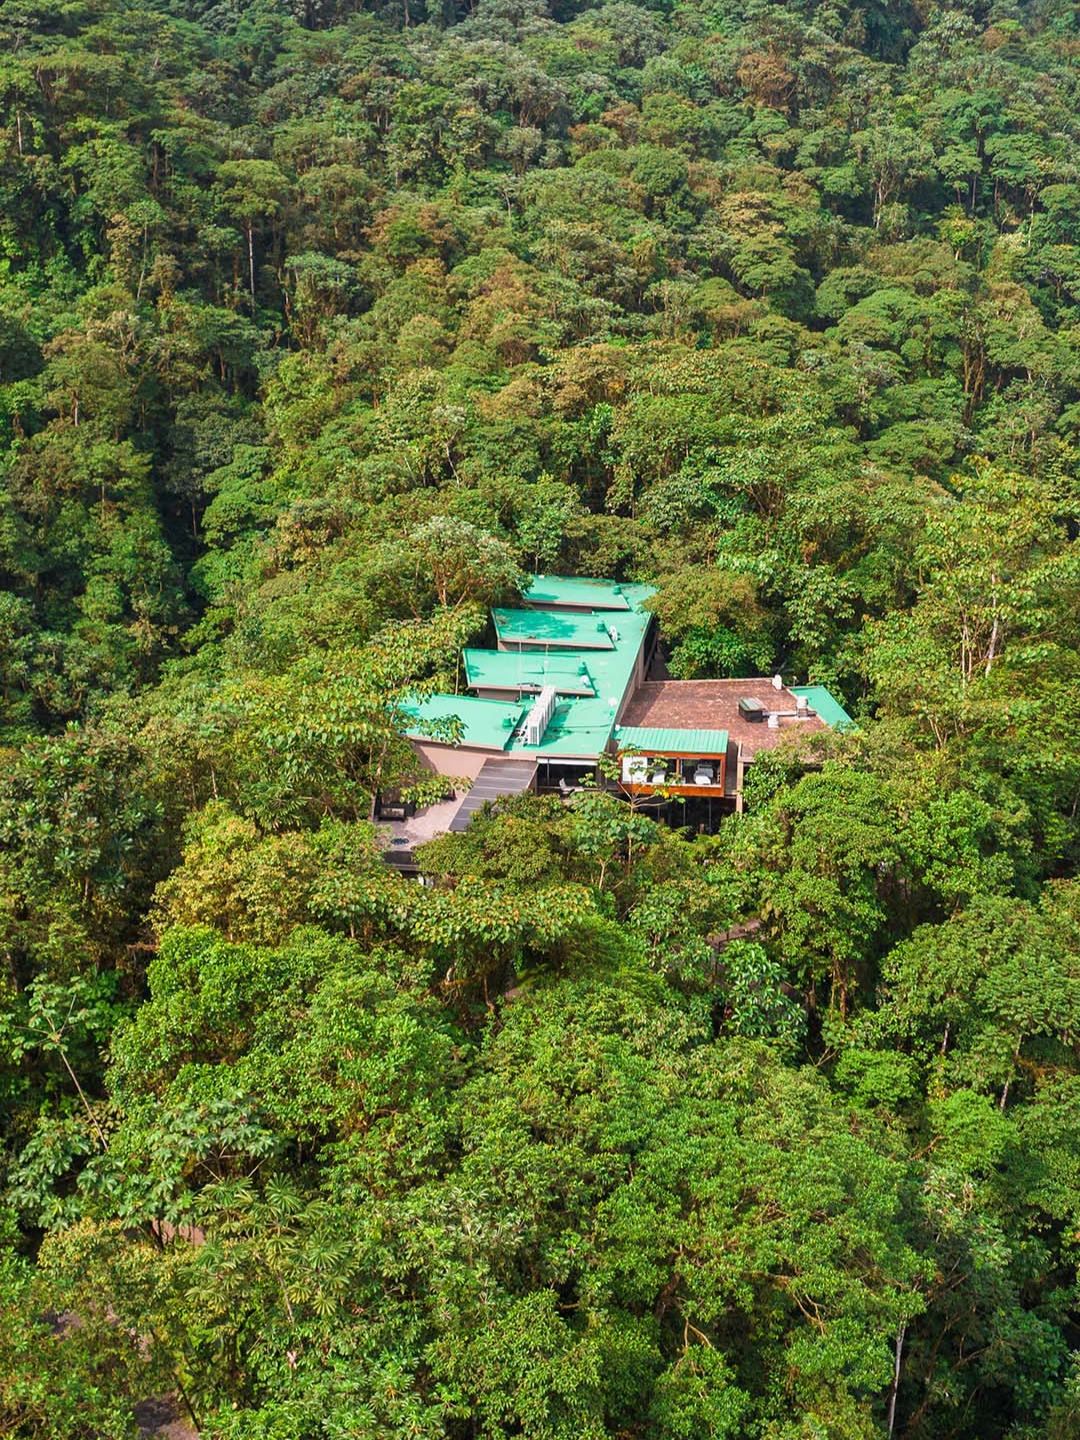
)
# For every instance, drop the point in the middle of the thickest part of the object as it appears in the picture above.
(652, 740)
(582, 593)
(579, 730)
(528, 670)
(485, 724)
(712, 704)
(581, 725)
(547, 627)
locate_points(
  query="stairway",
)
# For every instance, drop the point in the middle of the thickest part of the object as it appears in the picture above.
(497, 779)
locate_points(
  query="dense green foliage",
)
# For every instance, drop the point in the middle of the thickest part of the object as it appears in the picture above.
(319, 326)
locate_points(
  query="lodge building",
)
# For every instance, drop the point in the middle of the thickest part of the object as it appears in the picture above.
(574, 677)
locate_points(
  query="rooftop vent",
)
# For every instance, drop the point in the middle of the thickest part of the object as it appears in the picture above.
(539, 717)
(752, 710)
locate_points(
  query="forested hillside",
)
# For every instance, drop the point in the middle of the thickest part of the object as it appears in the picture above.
(320, 327)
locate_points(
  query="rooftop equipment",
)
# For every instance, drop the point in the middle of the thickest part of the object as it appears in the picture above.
(539, 717)
(752, 709)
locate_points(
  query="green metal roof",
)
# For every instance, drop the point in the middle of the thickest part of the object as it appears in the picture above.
(486, 724)
(581, 726)
(664, 741)
(529, 670)
(586, 594)
(582, 723)
(828, 709)
(551, 627)
(591, 671)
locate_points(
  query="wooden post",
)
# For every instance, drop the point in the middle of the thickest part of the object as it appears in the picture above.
(896, 1374)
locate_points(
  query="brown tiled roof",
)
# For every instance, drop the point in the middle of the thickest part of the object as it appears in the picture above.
(714, 705)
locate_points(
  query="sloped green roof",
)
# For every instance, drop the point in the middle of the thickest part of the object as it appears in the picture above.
(828, 709)
(581, 725)
(651, 740)
(487, 724)
(529, 670)
(551, 627)
(606, 644)
(585, 593)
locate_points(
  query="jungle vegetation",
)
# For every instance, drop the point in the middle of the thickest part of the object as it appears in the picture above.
(323, 323)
